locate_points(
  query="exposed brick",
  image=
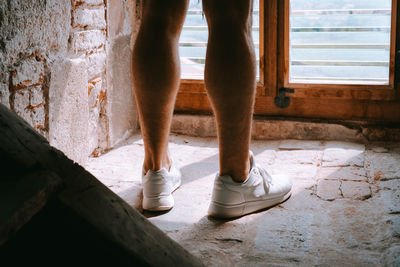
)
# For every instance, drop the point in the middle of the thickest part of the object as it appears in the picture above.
(355, 190)
(21, 105)
(94, 90)
(93, 18)
(4, 95)
(328, 189)
(29, 73)
(87, 2)
(88, 41)
(36, 96)
(38, 118)
(96, 64)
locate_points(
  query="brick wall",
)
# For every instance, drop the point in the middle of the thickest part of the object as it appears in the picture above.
(33, 35)
(65, 69)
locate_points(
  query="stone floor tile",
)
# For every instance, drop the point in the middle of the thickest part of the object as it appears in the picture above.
(328, 189)
(355, 190)
(392, 256)
(390, 194)
(264, 157)
(301, 145)
(344, 145)
(295, 171)
(287, 231)
(383, 166)
(299, 157)
(305, 230)
(338, 157)
(379, 149)
(351, 173)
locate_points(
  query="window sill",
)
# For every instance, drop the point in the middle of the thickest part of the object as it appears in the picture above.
(275, 128)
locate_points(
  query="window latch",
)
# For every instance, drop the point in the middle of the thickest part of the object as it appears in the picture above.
(282, 100)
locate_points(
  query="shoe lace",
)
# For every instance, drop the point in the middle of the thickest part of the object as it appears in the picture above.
(266, 176)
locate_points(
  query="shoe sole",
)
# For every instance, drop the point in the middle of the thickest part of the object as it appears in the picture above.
(161, 203)
(222, 211)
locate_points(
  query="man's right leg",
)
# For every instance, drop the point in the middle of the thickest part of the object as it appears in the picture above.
(241, 187)
(230, 78)
(156, 76)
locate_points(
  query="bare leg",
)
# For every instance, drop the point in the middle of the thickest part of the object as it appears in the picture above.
(156, 74)
(230, 78)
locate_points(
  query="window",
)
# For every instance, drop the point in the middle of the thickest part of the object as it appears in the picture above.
(333, 59)
(193, 40)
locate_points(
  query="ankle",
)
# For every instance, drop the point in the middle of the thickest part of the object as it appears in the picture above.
(239, 175)
(157, 165)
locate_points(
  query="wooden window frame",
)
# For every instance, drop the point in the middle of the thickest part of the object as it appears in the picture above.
(379, 103)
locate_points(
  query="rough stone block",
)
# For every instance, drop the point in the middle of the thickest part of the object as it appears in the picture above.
(36, 96)
(29, 73)
(351, 173)
(92, 18)
(88, 41)
(4, 95)
(200, 125)
(339, 157)
(123, 17)
(21, 105)
(303, 130)
(96, 64)
(121, 106)
(68, 109)
(328, 189)
(356, 190)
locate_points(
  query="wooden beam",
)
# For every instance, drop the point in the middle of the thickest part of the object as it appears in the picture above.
(22, 197)
(106, 212)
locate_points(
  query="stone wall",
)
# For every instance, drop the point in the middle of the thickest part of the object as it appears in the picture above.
(33, 36)
(65, 69)
(124, 19)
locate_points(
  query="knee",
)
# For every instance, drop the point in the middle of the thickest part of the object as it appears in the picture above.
(230, 13)
(167, 16)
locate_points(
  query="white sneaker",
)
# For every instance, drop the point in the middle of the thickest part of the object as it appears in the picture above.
(259, 191)
(158, 187)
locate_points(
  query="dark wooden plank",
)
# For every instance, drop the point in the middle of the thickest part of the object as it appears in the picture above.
(106, 212)
(22, 197)
(312, 107)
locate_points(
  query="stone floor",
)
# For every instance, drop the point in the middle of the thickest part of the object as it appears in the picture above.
(344, 210)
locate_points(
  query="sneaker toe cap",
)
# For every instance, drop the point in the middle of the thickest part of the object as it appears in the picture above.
(281, 184)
